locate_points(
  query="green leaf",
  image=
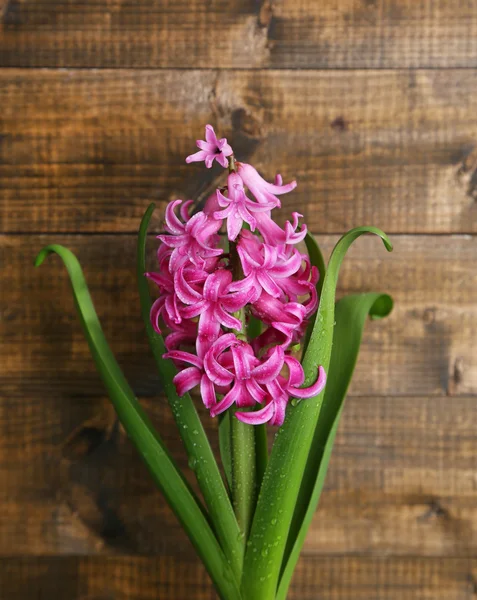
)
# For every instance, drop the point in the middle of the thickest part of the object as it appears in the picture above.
(201, 457)
(350, 316)
(317, 260)
(261, 453)
(283, 477)
(165, 473)
(225, 438)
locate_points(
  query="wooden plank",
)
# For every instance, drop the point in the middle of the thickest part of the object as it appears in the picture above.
(336, 578)
(426, 347)
(285, 33)
(87, 150)
(72, 483)
(401, 482)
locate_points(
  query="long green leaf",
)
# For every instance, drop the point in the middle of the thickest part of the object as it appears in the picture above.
(201, 457)
(165, 473)
(350, 316)
(283, 477)
(317, 260)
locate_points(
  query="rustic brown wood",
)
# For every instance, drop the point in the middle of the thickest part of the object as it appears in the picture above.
(384, 134)
(87, 150)
(268, 33)
(401, 481)
(426, 347)
(334, 578)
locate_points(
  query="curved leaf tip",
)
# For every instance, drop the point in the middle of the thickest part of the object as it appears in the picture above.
(382, 306)
(40, 257)
(386, 241)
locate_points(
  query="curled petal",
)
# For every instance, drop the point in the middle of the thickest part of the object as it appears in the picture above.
(215, 371)
(235, 301)
(312, 390)
(189, 312)
(187, 357)
(155, 313)
(279, 416)
(227, 320)
(296, 375)
(175, 339)
(268, 284)
(173, 224)
(216, 283)
(262, 189)
(257, 417)
(185, 292)
(270, 369)
(255, 391)
(224, 404)
(207, 392)
(186, 380)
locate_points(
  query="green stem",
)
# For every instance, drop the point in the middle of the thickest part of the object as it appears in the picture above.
(244, 491)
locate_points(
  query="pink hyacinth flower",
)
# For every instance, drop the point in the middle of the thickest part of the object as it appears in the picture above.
(214, 305)
(238, 207)
(192, 376)
(273, 234)
(193, 240)
(206, 294)
(211, 149)
(245, 374)
(264, 192)
(279, 391)
(265, 267)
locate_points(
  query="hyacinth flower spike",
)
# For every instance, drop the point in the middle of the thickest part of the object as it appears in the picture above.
(248, 318)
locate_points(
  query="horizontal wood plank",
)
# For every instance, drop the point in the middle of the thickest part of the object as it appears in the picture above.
(426, 347)
(240, 34)
(401, 481)
(337, 578)
(87, 150)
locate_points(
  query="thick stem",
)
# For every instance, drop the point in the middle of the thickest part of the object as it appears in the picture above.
(244, 492)
(243, 473)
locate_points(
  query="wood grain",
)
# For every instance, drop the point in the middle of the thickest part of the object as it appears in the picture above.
(336, 578)
(402, 480)
(426, 347)
(240, 34)
(85, 151)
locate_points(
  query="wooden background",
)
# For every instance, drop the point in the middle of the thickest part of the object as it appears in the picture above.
(372, 106)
